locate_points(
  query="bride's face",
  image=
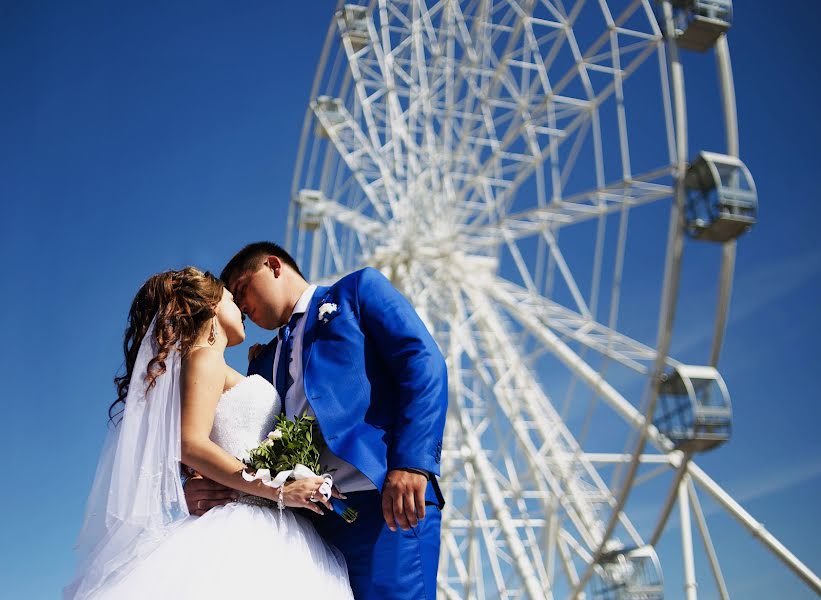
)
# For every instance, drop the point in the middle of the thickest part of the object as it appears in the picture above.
(230, 319)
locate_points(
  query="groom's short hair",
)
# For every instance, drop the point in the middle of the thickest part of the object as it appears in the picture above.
(249, 260)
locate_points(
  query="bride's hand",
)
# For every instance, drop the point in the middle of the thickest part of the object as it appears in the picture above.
(298, 494)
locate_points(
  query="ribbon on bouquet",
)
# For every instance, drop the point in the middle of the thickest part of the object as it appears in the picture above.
(297, 473)
(302, 472)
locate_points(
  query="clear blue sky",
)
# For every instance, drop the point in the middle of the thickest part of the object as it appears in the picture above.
(143, 136)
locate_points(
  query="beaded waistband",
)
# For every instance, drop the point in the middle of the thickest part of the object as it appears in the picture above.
(257, 501)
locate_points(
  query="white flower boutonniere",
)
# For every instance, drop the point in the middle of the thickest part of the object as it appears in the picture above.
(327, 311)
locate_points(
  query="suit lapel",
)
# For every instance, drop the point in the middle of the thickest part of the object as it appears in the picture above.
(272, 349)
(311, 326)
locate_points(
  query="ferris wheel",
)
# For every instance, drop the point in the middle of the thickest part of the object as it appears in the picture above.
(520, 169)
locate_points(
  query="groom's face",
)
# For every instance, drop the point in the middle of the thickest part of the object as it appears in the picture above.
(261, 294)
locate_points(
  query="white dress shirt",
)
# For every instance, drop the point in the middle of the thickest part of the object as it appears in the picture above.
(346, 477)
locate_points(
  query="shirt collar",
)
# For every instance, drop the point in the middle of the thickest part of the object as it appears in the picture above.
(304, 301)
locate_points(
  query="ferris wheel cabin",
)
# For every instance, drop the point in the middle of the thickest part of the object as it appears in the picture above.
(629, 575)
(310, 217)
(721, 198)
(328, 110)
(699, 23)
(694, 408)
(354, 25)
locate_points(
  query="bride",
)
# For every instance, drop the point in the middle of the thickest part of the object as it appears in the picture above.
(183, 404)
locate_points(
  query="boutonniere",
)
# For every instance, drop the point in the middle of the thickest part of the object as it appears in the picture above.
(327, 311)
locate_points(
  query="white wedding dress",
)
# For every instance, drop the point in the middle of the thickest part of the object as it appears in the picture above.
(243, 549)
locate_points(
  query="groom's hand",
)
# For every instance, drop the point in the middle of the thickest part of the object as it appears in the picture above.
(202, 495)
(403, 499)
(254, 351)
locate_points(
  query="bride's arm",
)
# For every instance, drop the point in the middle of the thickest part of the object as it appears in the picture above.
(203, 379)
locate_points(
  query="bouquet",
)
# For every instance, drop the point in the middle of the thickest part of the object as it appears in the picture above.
(292, 451)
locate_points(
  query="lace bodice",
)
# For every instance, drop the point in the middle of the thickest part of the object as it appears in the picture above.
(245, 414)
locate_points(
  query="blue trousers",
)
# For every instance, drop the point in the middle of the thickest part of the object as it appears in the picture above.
(383, 564)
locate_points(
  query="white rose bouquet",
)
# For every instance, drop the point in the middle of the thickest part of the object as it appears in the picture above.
(292, 451)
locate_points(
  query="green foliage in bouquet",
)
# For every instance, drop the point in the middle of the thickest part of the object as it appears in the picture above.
(291, 443)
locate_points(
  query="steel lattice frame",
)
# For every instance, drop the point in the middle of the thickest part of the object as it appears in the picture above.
(450, 144)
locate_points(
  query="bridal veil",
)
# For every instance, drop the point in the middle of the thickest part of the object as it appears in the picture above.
(137, 497)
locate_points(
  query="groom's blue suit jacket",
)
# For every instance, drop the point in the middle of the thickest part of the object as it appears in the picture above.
(374, 377)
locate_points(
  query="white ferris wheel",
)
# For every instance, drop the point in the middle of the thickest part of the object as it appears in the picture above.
(520, 169)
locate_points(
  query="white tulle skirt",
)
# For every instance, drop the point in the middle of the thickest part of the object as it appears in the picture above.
(237, 551)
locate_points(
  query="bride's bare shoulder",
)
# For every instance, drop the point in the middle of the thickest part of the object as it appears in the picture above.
(232, 377)
(204, 365)
(208, 365)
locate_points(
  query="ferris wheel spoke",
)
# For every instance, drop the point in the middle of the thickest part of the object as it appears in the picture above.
(533, 418)
(468, 531)
(484, 81)
(704, 531)
(362, 159)
(448, 591)
(380, 70)
(544, 99)
(755, 527)
(584, 371)
(513, 168)
(373, 76)
(574, 209)
(574, 545)
(525, 523)
(578, 327)
(518, 554)
(315, 206)
(452, 552)
(397, 120)
(333, 245)
(569, 566)
(482, 473)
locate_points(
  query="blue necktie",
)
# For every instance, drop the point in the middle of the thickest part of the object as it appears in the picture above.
(286, 344)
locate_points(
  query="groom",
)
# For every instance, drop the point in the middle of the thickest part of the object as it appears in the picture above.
(357, 356)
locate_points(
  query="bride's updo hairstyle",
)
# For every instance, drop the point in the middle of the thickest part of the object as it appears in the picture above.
(183, 302)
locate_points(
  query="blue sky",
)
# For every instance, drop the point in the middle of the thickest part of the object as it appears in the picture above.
(146, 136)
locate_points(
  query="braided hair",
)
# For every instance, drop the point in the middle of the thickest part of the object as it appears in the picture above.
(182, 301)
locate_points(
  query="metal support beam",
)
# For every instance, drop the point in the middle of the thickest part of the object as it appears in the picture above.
(686, 541)
(756, 528)
(709, 549)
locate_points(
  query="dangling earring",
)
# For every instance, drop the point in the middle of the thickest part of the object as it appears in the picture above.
(213, 335)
